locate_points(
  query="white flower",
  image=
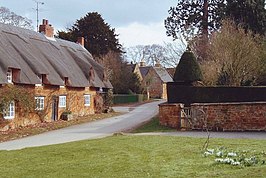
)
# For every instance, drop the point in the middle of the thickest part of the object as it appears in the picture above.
(232, 154)
(206, 153)
(210, 151)
(225, 160)
(219, 154)
(219, 160)
(235, 163)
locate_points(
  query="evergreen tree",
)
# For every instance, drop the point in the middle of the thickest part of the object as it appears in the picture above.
(99, 37)
(190, 17)
(188, 69)
(250, 14)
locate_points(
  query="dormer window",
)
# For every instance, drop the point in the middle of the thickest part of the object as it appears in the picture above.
(9, 76)
(40, 78)
(92, 75)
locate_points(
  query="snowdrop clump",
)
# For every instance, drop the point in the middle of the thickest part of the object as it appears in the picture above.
(244, 158)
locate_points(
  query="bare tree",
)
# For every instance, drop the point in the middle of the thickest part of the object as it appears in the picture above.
(168, 54)
(120, 75)
(10, 18)
(235, 56)
(135, 53)
(173, 52)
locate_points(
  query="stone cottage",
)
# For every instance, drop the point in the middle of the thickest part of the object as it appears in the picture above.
(155, 79)
(62, 75)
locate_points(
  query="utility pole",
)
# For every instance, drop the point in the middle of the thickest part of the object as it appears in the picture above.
(37, 12)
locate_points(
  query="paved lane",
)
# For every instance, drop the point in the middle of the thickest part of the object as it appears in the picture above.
(97, 129)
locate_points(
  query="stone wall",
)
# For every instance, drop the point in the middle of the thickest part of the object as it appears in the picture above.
(74, 100)
(154, 83)
(220, 116)
(157, 89)
(164, 94)
(74, 103)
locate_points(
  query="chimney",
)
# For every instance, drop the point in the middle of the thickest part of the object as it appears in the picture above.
(46, 29)
(81, 41)
(142, 63)
(158, 64)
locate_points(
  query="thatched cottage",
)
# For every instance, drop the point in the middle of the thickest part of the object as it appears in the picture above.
(61, 75)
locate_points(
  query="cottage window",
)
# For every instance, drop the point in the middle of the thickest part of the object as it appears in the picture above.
(9, 113)
(9, 76)
(62, 101)
(39, 100)
(87, 100)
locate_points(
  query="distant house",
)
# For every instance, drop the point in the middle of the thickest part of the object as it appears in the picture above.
(134, 68)
(155, 79)
(62, 75)
(171, 71)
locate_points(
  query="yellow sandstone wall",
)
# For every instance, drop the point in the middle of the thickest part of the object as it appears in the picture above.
(74, 103)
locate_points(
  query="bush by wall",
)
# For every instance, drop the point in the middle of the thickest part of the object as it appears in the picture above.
(121, 99)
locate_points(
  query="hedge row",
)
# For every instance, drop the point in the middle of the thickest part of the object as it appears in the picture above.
(189, 94)
(120, 99)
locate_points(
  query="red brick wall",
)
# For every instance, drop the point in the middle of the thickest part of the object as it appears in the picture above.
(220, 117)
(169, 115)
(233, 116)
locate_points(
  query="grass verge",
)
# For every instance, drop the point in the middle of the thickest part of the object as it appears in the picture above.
(153, 126)
(48, 126)
(128, 156)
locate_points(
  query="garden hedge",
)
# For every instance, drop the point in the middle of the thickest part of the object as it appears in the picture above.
(178, 93)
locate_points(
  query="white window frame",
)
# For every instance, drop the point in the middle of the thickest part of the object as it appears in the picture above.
(10, 111)
(9, 76)
(62, 101)
(39, 101)
(87, 100)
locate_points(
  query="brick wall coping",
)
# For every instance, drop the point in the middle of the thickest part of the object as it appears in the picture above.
(233, 103)
(169, 104)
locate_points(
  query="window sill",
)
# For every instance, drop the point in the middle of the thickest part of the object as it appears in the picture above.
(9, 117)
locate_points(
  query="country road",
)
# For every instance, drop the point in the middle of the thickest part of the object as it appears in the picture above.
(97, 129)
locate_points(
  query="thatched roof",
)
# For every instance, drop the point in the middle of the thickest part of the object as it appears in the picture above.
(35, 55)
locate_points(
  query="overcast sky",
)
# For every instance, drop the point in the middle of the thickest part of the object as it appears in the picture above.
(138, 22)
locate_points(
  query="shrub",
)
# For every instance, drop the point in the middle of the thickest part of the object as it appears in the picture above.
(23, 97)
(188, 69)
(235, 57)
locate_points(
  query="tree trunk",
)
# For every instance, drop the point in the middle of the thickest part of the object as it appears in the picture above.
(205, 20)
(204, 38)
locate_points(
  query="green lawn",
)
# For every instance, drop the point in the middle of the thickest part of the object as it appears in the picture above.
(153, 126)
(128, 156)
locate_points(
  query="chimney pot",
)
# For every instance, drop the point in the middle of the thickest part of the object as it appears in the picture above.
(142, 63)
(80, 41)
(158, 64)
(46, 29)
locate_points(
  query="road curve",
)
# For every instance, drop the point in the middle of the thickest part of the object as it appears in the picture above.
(97, 129)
